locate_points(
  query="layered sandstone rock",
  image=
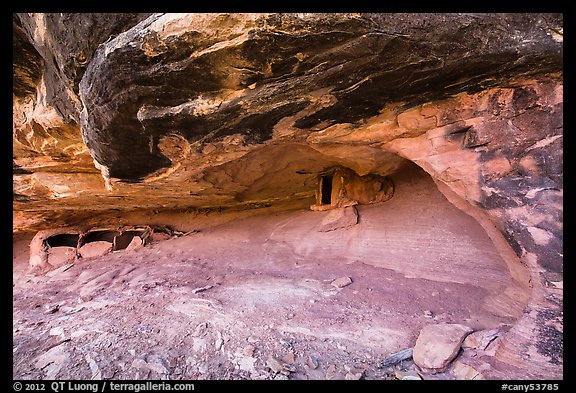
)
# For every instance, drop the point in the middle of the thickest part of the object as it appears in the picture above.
(116, 112)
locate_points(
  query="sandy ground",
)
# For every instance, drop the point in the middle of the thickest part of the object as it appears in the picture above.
(252, 298)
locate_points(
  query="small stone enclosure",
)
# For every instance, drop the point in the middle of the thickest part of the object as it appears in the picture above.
(53, 248)
(342, 187)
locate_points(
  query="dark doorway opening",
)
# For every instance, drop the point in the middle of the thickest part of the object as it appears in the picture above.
(326, 190)
(95, 236)
(63, 240)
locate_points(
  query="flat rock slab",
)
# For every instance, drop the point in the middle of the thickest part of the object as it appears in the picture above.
(135, 243)
(437, 345)
(341, 282)
(463, 371)
(60, 256)
(481, 339)
(338, 219)
(95, 249)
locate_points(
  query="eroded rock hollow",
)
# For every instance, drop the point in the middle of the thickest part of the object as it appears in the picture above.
(419, 151)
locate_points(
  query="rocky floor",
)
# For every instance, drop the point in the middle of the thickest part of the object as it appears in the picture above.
(265, 297)
(182, 317)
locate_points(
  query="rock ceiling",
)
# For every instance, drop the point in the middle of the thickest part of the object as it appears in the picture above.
(211, 110)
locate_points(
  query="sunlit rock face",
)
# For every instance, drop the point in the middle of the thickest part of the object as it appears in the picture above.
(116, 112)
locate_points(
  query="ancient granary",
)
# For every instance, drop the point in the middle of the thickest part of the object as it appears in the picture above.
(54, 248)
(342, 187)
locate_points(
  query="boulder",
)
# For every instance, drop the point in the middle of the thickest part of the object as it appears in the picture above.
(437, 345)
